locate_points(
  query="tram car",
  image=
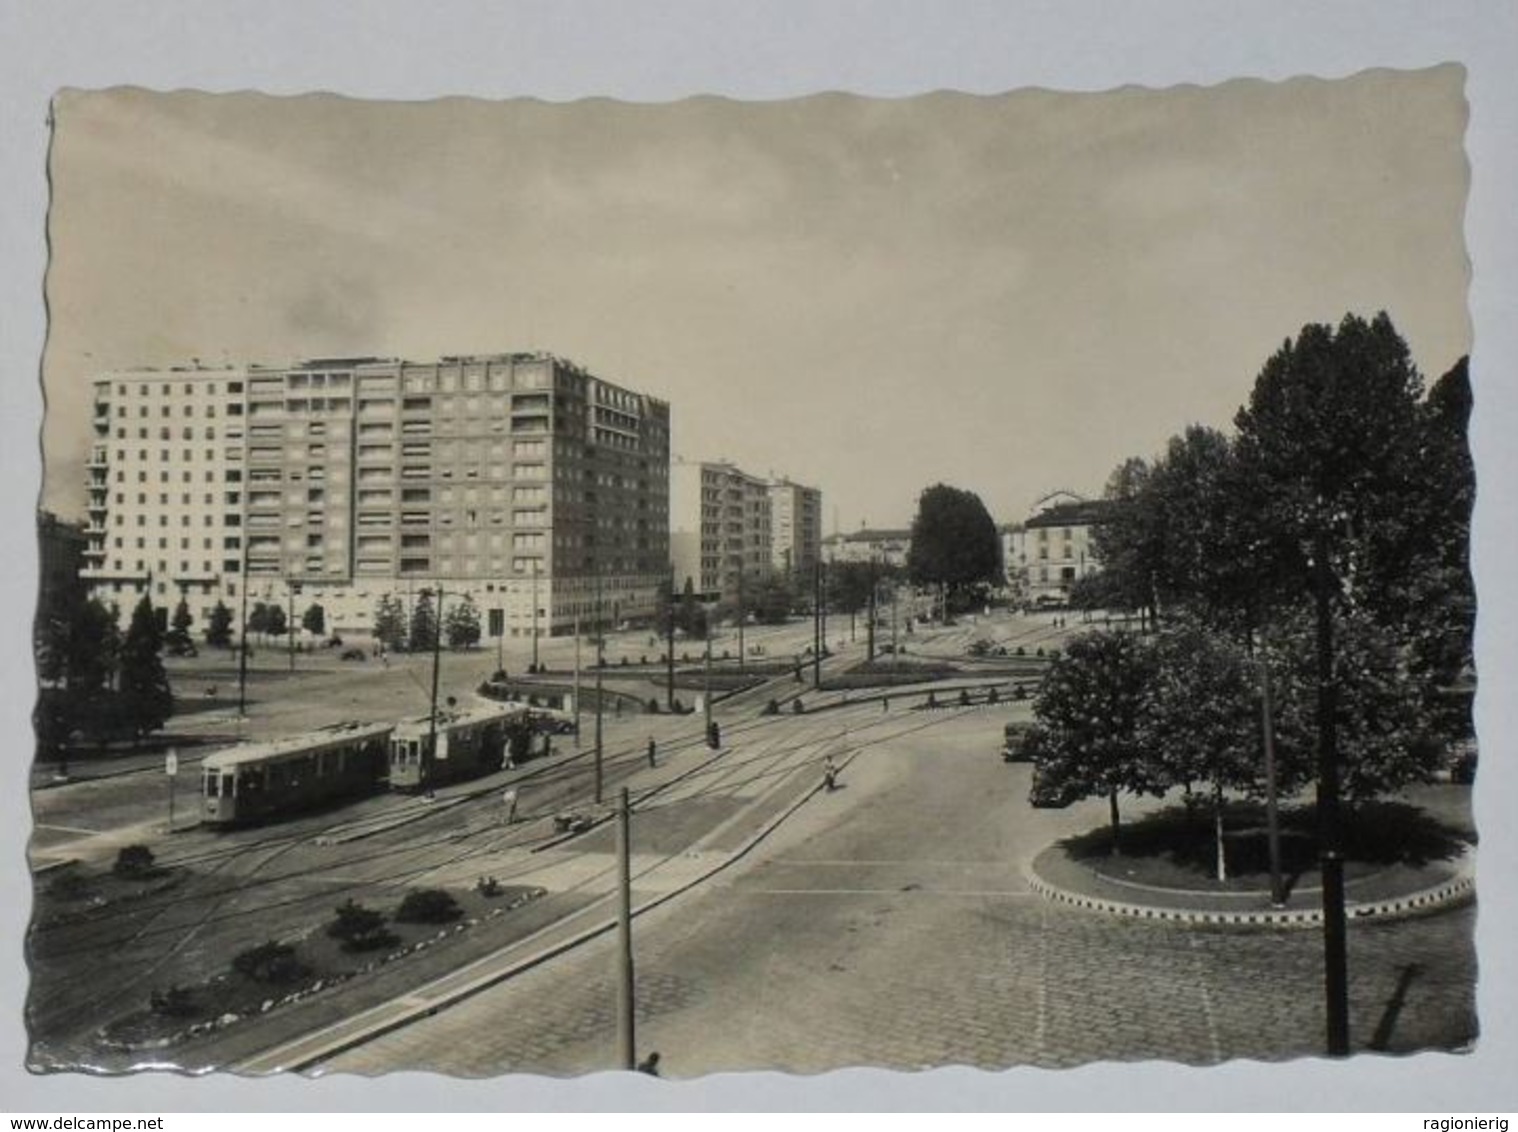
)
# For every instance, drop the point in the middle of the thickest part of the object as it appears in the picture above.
(256, 781)
(469, 742)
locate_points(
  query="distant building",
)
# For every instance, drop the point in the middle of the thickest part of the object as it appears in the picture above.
(522, 480)
(61, 547)
(888, 547)
(796, 523)
(1046, 555)
(721, 528)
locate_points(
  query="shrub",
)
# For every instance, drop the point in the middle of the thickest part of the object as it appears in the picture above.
(643, 659)
(623, 661)
(358, 928)
(176, 1002)
(1021, 651)
(772, 708)
(797, 707)
(68, 885)
(992, 696)
(428, 906)
(653, 705)
(932, 700)
(498, 676)
(270, 962)
(1039, 651)
(134, 862)
(964, 697)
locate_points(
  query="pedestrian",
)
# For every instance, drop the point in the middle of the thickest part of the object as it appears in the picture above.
(829, 774)
(510, 799)
(653, 752)
(650, 1064)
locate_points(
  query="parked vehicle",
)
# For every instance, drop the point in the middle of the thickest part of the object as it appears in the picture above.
(1014, 745)
(256, 781)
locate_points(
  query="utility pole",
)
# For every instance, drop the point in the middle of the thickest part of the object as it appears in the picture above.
(869, 630)
(895, 648)
(290, 621)
(1272, 820)
(1331, 858)
(823, 603)
(437, 661)
(534, 614)
(577, 681)
(742, 616)
(706, 694)
(669, 651)
(600, 663)
(626, 1000)
(242, 651)
(817, 624)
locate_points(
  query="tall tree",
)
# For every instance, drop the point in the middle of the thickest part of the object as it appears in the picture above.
(461, 624)
(423, 632)
(219, 626)
(1090, 711)
(145, 697)
(390, 623)
(955, 546)
(178, 637)
(1129, 544)
(314, 619)
(1201, 720)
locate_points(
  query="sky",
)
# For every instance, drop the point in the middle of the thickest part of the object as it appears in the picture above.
(1007, 293)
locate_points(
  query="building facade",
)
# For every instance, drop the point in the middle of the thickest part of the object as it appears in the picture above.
(796, 537)
(1052, 550)
(888, 547)
(538, 489)
(721, 528)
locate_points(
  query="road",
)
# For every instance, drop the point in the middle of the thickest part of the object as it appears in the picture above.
(891, 924)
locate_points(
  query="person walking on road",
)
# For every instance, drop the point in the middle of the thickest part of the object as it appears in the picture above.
(653, 752)
(829, 774)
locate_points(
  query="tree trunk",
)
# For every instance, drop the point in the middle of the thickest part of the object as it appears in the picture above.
(1117, 846)
(1217, 826)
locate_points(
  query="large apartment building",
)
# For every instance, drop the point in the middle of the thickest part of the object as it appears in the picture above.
(539, 489)
(796, 525)
(721, 528)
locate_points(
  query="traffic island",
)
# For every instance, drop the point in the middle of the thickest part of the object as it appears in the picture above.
(1400, 861)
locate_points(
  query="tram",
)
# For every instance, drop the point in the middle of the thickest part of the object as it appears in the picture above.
(261, 780)
(469, 742)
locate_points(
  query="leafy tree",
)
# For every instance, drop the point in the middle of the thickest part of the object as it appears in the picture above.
(146, 700)
(275, 623)
(219, 626)
(692, 618)
(1091, 714)
(1440, 597)
(1382, 735)
(771, 600)
(955, 546)
(461, 624)
(423, 632)
(1201, 720)
(178, 637)
(1128, 544)
(258, 618)
(390, 623)
(314, 620)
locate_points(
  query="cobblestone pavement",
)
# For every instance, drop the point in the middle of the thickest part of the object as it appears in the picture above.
(891, 925)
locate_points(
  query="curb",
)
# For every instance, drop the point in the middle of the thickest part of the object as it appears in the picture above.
(259, 1063)
(1456, 891)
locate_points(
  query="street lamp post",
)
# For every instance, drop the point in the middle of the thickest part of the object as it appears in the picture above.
(292, 588)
